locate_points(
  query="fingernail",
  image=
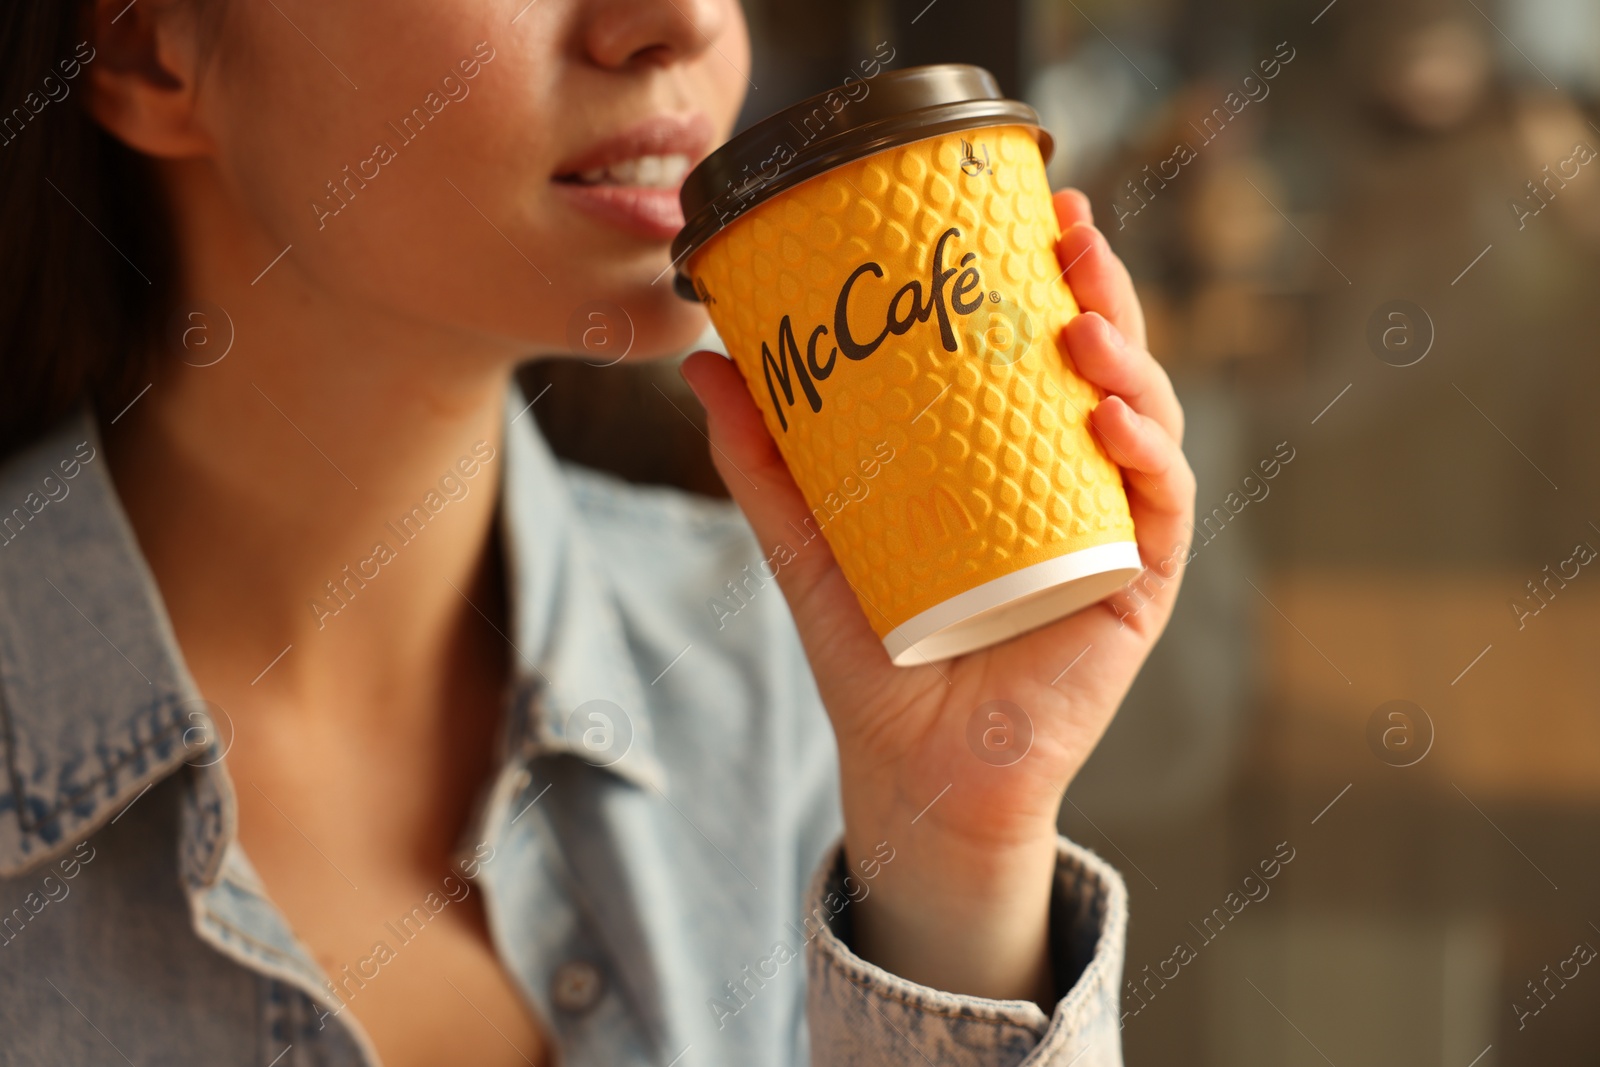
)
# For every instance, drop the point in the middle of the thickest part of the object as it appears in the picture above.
(683, 372)
(1088, 206)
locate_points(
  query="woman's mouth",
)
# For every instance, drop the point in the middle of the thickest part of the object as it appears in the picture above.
(631, 180)
(650, 172)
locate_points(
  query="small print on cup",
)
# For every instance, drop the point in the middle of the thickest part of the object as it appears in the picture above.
(1400, 333)
(600, 732)
(603, 330)
(999, 733)
(1400, 733)
(200, 333)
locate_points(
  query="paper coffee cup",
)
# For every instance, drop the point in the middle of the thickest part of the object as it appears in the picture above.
(882, 270)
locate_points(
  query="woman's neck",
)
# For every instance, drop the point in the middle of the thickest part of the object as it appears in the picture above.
(318, 506)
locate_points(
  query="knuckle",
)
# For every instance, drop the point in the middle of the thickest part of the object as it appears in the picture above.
(1188, 486)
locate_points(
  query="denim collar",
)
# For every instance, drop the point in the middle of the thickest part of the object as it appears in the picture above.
(92, 697)
(572, 660)
(96, 704)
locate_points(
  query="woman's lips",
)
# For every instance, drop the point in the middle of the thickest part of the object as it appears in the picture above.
(652, 213)
(630, 179)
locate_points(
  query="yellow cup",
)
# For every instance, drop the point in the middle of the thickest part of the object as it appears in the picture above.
(896, 316)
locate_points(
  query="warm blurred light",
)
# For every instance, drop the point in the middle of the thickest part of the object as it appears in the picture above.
(1434, 77)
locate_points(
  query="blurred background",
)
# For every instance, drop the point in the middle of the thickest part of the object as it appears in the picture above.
(1383, 260)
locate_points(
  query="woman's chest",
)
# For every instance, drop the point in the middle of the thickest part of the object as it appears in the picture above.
(363, 877)
(411, 958)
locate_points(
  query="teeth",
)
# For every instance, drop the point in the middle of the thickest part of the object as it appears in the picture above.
(650, 172)
(624, 173)
(673, 168)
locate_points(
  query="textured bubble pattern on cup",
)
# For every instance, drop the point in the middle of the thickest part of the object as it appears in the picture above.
(994, 466)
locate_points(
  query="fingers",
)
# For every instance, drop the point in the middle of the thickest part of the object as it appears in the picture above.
(1142, 445)
(1160, 484)
(825, 608)
(741, 448)
(1072, 207)
(1161, 490)
(1099, 281)
(756, 475)
(1101, 354)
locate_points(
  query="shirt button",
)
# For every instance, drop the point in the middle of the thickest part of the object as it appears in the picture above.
(576, 986)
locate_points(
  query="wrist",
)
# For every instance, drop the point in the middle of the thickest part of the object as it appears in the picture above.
(953, 914)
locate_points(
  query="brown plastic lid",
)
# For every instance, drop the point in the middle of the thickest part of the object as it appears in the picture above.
(833, 128)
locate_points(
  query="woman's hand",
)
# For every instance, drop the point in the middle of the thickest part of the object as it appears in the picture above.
(963, 905)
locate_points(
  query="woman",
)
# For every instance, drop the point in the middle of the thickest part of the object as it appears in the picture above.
(342, 724)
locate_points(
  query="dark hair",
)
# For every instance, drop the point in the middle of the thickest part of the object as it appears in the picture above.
(87, 265)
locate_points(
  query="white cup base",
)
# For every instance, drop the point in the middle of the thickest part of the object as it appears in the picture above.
(1014, 603)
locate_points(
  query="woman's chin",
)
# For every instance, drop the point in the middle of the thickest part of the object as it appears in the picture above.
(662, 325)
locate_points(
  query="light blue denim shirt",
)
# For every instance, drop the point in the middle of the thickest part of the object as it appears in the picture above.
(658, 849)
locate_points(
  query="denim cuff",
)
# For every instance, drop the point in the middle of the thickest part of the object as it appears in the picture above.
(860, 1014)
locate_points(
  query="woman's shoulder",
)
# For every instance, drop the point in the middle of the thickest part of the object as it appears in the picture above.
(711, 635)
(630, 507)
(665, 540)
(688, 569)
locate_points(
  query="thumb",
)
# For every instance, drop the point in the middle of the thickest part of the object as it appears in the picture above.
(823, 604)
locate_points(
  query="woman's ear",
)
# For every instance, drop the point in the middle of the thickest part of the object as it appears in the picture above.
(144, 75)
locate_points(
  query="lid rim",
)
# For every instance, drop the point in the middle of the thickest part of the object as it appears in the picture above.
(958, 96)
